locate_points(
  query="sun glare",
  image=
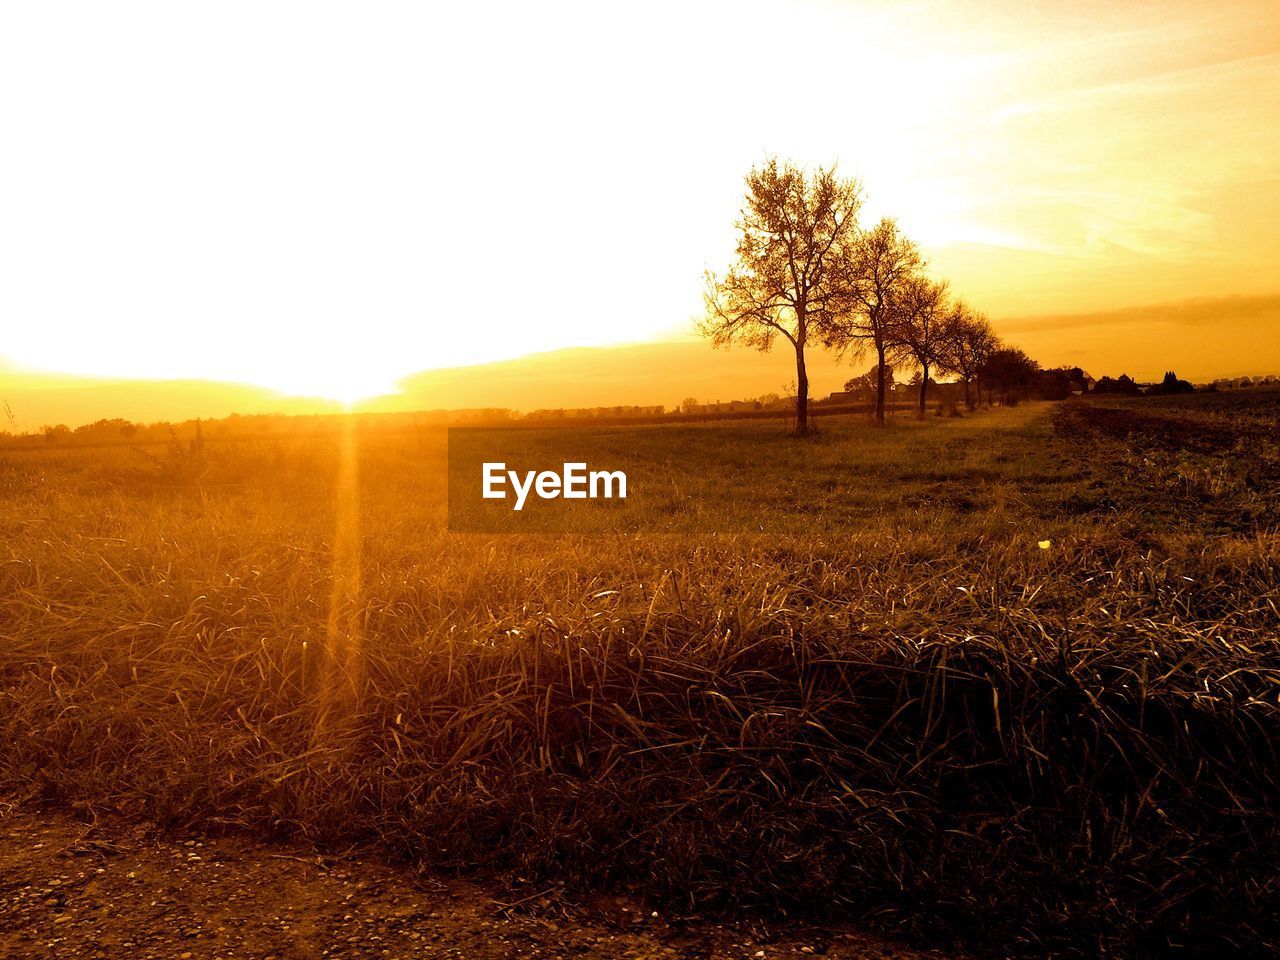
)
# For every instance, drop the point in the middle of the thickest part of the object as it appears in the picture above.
(350, 393)
(347, 386)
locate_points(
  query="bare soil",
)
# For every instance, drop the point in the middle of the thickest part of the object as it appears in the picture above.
(71, 889)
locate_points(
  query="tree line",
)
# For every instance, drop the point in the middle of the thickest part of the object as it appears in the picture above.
(807, 271)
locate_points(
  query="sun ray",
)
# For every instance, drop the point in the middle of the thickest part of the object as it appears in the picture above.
(342, 660)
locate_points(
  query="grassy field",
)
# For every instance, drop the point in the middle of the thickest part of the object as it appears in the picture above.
(869, 691)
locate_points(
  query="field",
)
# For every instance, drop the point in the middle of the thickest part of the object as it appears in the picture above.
(1008, 681)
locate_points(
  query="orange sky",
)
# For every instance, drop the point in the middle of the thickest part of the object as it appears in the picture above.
(322, 199)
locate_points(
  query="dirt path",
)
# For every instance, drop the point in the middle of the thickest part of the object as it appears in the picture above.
(69, 890)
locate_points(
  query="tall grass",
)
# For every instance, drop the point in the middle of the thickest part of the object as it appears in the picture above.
(957, 735)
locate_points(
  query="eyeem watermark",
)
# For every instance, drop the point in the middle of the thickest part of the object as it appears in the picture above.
(573, 482)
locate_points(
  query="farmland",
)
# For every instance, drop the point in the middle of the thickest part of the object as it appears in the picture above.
(1007, 680)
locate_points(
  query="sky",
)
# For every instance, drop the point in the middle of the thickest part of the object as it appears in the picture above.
(324, 197)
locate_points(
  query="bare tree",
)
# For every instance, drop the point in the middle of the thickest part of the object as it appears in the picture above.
(877, 272)
(919, 332)
(793, 237)
(968, 342)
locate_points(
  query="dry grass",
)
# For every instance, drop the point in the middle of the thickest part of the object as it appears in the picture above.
(919, 718)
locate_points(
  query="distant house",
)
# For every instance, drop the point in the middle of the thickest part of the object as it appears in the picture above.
(1081, 381)
(1243, 383)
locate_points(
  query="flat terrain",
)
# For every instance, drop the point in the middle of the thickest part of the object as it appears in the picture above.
(1008, 680)
(70, 889)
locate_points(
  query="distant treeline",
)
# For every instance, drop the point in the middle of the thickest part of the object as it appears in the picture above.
(289, 426)
(1012, 378)
(237, 426)
(116, 431)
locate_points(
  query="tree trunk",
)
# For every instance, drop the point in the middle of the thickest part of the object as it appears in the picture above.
(802, 393)
(880, 384)
(924, 385)
(968, 404)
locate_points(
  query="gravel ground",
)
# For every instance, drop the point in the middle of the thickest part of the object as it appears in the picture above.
(68, 889)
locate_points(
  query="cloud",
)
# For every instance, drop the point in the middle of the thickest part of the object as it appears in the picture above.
(1226, 311)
